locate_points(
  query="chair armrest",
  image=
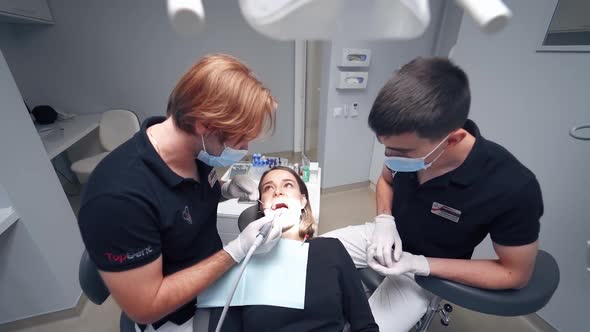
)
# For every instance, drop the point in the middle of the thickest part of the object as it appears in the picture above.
(529, 299)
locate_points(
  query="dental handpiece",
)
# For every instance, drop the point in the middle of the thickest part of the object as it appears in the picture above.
(262, 235)
(265, 230)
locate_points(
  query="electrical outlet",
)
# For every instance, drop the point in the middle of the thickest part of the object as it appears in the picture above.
(337, 111)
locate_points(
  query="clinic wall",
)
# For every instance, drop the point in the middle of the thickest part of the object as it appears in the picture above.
(4, 198)
(449, 29)
(349, 142)
(528, 101)
(39, 254)
(104, 54)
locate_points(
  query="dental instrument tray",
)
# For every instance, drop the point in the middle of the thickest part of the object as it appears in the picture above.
(239, 169)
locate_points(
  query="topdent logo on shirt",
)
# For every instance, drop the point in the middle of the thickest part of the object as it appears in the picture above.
(186, 215)
(120, 258)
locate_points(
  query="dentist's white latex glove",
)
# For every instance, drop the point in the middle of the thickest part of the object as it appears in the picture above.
(239, 247)
(240, 186)
(408, 263)
(384, 237)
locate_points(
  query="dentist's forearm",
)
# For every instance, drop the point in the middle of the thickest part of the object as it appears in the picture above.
(186, 284)
(146, 296)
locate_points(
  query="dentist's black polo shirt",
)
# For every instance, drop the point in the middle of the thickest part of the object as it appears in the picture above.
(490, 193)
(135, 209)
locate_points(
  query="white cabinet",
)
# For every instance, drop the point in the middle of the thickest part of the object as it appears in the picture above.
(25, 11)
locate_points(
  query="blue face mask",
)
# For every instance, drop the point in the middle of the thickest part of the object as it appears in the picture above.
(401, 164)
(227, 157)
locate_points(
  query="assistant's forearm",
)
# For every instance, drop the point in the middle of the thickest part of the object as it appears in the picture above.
(489, 274)
(384, 193)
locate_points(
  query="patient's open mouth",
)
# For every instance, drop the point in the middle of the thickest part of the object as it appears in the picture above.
(280, 206)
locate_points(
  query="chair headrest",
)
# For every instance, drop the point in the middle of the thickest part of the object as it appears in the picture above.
(249, 215)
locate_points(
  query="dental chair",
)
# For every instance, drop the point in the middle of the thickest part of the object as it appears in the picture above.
(527, 300)
(96, 291)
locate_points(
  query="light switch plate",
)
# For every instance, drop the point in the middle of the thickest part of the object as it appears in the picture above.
(354, 110)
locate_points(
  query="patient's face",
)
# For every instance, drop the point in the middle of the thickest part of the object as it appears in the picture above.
(280, 193)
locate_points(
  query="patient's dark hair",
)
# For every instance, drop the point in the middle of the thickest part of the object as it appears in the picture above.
(307, 226)
(428, 96)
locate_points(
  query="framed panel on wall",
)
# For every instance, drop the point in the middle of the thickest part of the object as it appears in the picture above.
(569, 28)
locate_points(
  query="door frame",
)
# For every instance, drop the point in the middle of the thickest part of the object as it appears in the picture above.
(299, 95)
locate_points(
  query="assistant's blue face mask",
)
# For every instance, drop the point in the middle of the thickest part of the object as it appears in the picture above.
(401, 164)
(227, 157)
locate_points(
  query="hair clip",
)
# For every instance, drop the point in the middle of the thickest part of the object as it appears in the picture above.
(305, 239)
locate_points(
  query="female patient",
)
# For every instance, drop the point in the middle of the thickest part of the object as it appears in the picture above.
(334, 294)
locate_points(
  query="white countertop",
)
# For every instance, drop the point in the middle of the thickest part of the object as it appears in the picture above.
(8, 216)
(65, 133)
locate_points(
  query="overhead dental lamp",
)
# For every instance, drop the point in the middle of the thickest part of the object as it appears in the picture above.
(186, 16)
(356, 19)
(327, 19)
(491, 15)
(330, 19)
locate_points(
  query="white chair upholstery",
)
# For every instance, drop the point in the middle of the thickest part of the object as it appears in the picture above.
(84, 167)
(116, 127)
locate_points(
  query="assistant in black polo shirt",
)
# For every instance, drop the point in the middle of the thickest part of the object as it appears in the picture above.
(491, 192)
(443, 189)
(148, 215)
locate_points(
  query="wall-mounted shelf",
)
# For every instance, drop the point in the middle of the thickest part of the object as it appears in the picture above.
(355, 57)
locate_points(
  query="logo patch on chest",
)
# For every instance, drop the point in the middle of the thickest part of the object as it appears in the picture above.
(446, 212)
(186, 215)
(212, 178)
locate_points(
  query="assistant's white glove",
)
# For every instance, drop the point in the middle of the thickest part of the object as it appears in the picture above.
(408, 263)
(239, 247)
(384, 237)
(240, 186)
